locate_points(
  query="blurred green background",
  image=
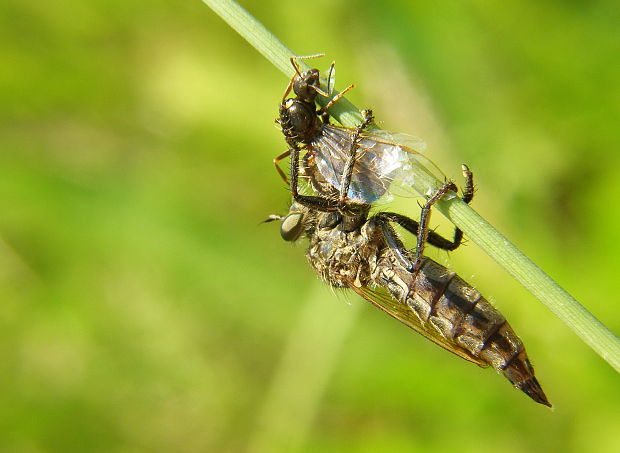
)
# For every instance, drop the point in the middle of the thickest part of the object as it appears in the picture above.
(143, 307)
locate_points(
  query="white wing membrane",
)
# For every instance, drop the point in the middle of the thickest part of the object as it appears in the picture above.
(383, 166)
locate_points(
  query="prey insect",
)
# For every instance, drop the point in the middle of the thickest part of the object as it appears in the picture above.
(362, 252)
(364, 165)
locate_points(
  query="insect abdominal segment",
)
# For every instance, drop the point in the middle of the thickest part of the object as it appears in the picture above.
(349, 248)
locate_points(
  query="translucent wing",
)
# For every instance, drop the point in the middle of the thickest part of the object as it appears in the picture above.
(383, 166)
(407, 316)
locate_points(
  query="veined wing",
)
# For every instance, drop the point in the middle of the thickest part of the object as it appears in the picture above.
(404, 314)
(383, 166)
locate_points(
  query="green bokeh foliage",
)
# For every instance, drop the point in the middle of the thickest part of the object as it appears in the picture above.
(145, 309)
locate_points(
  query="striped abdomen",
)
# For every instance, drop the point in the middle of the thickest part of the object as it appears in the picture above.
(447, 305)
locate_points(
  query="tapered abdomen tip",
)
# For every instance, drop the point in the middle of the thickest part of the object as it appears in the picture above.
(532, 388)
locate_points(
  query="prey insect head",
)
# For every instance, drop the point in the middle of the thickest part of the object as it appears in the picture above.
(307, 85)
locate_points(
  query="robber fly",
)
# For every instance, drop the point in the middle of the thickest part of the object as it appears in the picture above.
(350, 168)
(350, 249)
(364, 165)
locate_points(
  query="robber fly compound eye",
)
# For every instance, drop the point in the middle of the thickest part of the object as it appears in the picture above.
(292, 226)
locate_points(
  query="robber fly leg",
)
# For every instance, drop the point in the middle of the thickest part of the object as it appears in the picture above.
(469, 189)
(425, 216)
(319, 203)
(347, 173)
(433, 238)
(393, 241)
(423, 230)
(467, 196)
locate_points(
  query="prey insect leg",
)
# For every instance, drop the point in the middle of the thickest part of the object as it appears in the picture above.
(333, 100)
(277, 160)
